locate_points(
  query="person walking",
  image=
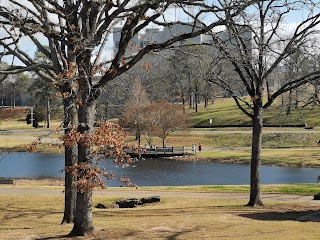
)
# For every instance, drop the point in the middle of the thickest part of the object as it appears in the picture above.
(200, 147)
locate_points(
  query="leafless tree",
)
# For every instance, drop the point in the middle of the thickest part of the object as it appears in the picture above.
(255, 62)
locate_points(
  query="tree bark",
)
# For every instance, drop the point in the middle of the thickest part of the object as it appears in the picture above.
(257, 121)
(48, 114)
(296, 103)
(71, 155)
(14, 96)
(83, 218)
(70, 193)
(196, 98)
(83, 224)
(288, 112)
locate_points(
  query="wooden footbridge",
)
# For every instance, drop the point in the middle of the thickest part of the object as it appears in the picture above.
(157, 152)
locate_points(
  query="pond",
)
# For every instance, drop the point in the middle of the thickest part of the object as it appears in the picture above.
(156, 172)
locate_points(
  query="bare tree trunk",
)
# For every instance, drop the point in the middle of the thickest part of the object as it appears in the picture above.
(2, 95)
(296, 103)
(71, 157)
(138, 136)
(268, 90)
(48, 114)
(257, 121)
(13, 103)
(70, 193)
(183, 101)
(289, 103)
(83, 218)
(196, 99)
(83, 224)
(282, 103)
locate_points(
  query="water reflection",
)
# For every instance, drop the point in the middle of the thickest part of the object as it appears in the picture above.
(155, 172)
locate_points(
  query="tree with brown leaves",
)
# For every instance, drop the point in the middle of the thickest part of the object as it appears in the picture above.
(77, 33)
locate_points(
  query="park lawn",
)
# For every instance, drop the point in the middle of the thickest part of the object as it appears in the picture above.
(211, 139)
(58, 184)
(298, 189)
(20, 124)
(279, 157)
(32, 216)
(225, 112)
(19, 141)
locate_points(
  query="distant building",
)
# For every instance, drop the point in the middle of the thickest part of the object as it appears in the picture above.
(157, 35)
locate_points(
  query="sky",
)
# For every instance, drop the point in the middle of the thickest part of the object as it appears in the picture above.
(171, 15)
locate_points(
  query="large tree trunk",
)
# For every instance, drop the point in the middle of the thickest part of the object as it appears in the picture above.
(257, 121)
(83, 216)
(70, 193)
(71, 157)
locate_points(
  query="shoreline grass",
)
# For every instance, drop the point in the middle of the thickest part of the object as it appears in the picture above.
(58, 184)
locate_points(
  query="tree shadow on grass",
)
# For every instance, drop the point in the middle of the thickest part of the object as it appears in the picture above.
(177, 235)
(300, 216)
(55, 237)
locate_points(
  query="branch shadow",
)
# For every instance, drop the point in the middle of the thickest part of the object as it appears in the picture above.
(177, 235)
(300, 216)
(55, 237)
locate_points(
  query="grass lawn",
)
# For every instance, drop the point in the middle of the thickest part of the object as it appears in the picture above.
(225, 112)
(38, 216)
(279, 157)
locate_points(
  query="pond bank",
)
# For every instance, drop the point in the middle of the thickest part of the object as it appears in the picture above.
(239, 161)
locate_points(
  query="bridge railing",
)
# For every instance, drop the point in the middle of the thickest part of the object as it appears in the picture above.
(165, 150)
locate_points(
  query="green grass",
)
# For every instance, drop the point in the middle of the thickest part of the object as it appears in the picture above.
(299, 189)
(225, 112)
(57, 184)
(277, 157)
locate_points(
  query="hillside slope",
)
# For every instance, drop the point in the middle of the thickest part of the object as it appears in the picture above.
(225, 112)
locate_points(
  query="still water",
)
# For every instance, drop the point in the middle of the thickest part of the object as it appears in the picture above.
(156, 172)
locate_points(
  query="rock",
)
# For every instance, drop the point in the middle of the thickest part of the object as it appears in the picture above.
(134, 202)
(150, 199)
(100, 205)
(317, 196)
(128, 203)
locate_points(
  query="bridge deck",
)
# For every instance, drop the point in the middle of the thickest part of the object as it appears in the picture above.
(157, 152)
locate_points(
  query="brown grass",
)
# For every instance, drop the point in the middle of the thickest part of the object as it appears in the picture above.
(32, 216)
(17, 113)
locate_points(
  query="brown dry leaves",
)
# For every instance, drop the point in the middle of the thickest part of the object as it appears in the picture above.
(106, 141)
